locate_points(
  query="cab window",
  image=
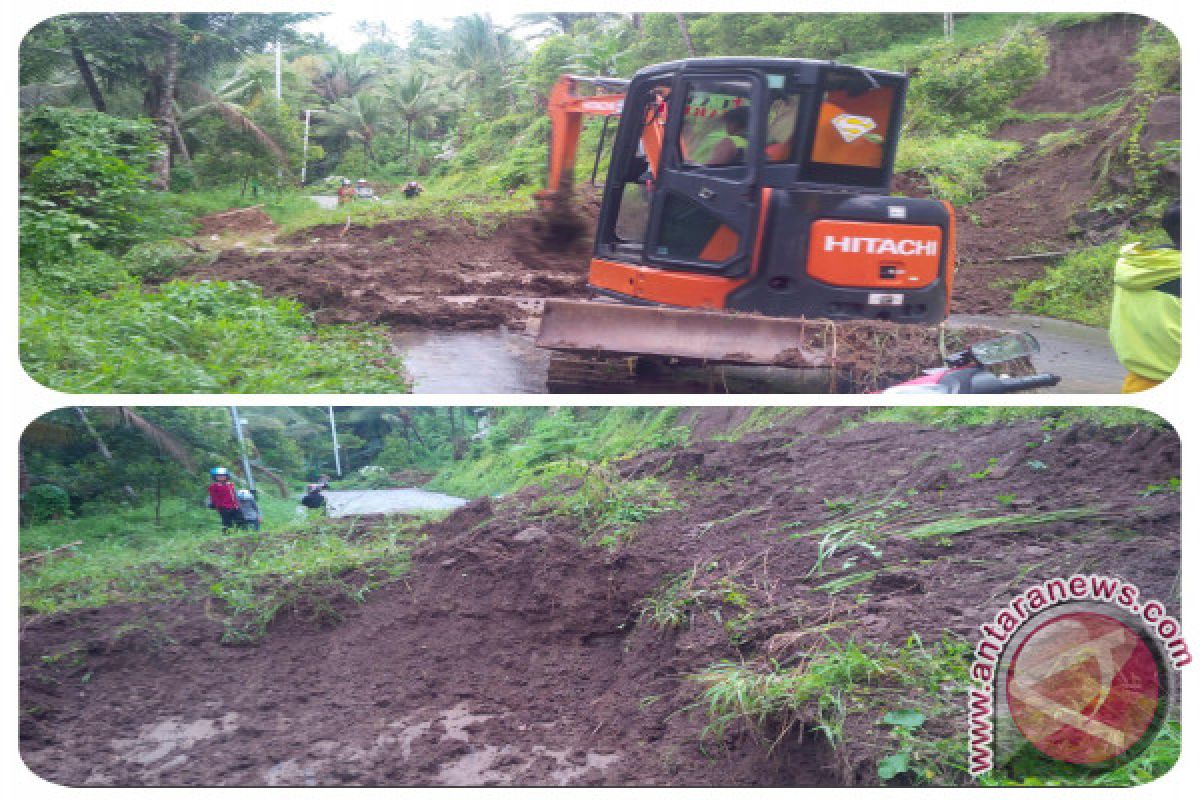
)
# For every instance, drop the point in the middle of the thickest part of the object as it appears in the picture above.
(716, 124)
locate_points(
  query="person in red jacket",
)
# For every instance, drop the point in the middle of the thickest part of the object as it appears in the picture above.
(222, 495)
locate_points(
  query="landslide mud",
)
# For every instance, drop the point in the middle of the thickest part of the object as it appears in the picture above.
(414, 274)
(514, 653)
(1038, 201)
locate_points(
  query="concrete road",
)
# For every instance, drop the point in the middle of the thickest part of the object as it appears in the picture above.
(388, 501)
(1080, 354)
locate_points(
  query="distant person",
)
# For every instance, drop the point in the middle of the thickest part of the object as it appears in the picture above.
(413, 189)
(251, 516)
(1147, 312)
(363, 190)
(345, 191)
(222, 496)
(732, 149)
(313, 500)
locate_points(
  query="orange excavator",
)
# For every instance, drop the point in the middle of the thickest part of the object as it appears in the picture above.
(745, 197)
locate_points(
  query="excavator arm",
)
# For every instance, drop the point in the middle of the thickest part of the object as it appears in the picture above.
(566, 109)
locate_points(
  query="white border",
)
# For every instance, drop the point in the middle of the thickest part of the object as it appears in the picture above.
(25, 399)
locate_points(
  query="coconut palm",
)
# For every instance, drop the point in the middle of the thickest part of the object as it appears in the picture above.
(417, 101)
(359, 118)
(345, 75)
(228, 99)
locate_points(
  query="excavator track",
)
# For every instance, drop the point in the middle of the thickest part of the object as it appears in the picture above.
(570, 373)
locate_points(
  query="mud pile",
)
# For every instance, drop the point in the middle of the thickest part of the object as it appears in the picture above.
(514, 653)
(419, 274)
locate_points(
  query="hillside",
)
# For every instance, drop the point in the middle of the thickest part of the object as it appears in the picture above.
(588, 630)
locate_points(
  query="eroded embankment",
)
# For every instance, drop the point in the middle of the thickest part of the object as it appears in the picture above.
(516, 652)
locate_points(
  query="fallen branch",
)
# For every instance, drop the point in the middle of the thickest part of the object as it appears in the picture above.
(44, 553)
(1034, 256)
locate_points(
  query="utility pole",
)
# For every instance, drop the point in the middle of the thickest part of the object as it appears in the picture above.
(948, 25)
(337, 459)
(278, 70)
(279, 90)
(241, 438)
(304, 160)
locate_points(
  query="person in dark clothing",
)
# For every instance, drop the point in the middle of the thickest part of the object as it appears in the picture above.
(222, 496)
(251, 516)
(413, 189)
(313, 499)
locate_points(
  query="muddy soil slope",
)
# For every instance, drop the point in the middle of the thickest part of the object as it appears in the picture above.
(515, 653)
(1038, 201)
(429, 273)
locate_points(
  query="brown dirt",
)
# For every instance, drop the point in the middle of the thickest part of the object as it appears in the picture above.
(1037, 202)
(239, 220)
(515, 654)
(413, 274)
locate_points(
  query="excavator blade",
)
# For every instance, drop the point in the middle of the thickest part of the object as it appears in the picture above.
(715, 337)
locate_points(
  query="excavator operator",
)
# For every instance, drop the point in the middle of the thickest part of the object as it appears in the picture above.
(732, 149)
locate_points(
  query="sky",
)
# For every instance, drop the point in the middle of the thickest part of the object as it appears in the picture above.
(338, 26)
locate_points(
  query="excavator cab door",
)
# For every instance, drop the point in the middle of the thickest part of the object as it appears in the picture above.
(704, 204)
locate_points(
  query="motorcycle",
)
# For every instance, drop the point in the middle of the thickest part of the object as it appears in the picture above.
(967, 372)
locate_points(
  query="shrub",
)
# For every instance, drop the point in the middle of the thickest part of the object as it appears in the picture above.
(1157, 59)
(972, 89)
(954, 166)
(161, 260)
(44, 502)
(1079, 287)
(197, 337)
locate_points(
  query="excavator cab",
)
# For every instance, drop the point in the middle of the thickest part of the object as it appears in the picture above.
(761, 185)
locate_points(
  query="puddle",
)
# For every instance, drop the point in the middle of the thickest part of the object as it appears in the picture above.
(388, 501)
(472, 362)
(1080, 354)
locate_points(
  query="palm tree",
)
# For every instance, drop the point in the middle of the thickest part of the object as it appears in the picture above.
(228, 98)
(359, 118)
(346, 74)
(416, 100)
(125, 417)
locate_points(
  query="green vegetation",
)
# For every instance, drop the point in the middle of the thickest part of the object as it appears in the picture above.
(838, 686)
(866, 524)
(196, 337)
(678, 597)
(532, 445)
(1030, 768)
(91, 230)
(955, 165)
(1079, 287)
(607, 507)
(1052, 418)
(305, 566)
